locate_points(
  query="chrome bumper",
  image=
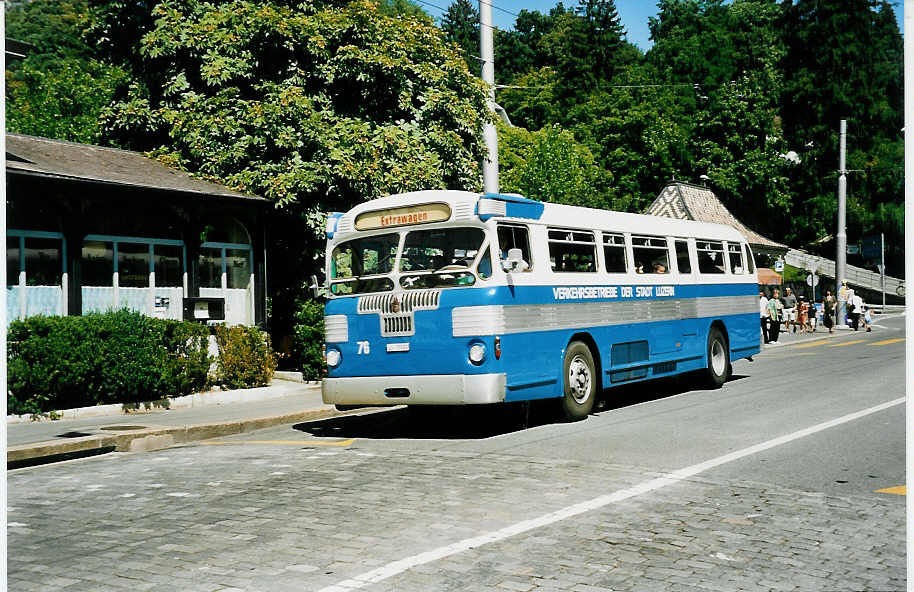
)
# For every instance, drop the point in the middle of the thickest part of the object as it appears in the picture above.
(444, 389)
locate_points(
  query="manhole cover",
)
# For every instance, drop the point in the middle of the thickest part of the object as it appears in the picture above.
(123, 428)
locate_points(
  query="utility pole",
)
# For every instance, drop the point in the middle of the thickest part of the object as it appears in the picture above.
(841, 237)
(487, 53)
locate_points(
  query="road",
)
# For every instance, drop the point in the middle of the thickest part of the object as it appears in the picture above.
(771, 483)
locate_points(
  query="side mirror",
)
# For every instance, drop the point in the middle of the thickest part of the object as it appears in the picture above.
(315, 287)
(515, 261)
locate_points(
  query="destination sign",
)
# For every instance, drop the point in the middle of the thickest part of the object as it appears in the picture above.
(405, 216)
(592, 292)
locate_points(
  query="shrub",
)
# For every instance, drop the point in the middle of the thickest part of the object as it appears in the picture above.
(101, 358)
(245, 357)
(308, 340)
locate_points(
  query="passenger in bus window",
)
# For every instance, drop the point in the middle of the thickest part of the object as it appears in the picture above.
(659, 268)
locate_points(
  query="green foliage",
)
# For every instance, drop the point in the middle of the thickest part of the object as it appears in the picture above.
(245, 357)
(550, 165)
(309, 106)
(60, 99)
(308, 340)
(460, 24)
(119, 357)
(60, 88)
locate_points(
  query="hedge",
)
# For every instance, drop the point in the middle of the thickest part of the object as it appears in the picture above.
(125, 357)
(245, 359)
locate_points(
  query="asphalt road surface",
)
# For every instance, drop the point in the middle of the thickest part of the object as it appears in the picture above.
(787, 478)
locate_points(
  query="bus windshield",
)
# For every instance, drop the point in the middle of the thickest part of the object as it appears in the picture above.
(355, 266)
(440, 257)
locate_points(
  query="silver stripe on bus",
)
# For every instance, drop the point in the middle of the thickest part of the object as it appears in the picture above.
(470, 321)
(336, 329)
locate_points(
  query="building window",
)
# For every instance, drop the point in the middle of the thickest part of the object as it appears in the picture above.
(40, 257)
(168, 262)
(133, 265)
(210, 267)
(97, 263)
(12, 260)
(238, 267)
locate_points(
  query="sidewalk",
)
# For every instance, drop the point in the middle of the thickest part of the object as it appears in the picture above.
(196, 417)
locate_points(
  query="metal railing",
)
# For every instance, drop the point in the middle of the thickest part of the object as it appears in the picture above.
(855, 276)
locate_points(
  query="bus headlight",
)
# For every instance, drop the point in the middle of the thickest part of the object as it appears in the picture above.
(333, 358)
(477, 353)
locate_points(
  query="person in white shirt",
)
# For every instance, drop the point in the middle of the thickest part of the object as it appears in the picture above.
(763, 314)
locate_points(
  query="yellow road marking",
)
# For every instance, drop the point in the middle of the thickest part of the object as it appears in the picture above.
(284, 442)
(888, 341)
(846, 343)
(900, 490)
(814, 344)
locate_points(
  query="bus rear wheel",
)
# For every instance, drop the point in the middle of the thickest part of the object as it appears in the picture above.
(718, 359)
(580, 381)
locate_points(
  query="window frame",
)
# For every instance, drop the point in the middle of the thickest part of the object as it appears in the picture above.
(496, 244)
(625, 250)
(665, 249)
(723, 253)
(689, 253)
(572, 241)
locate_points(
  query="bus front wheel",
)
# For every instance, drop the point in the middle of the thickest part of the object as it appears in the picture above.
(718, 359)
(580, 381)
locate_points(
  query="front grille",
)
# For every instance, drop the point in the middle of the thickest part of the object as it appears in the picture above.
(409, 302)
(397, 325)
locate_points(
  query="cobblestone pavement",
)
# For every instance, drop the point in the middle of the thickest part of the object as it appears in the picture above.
(279, 517)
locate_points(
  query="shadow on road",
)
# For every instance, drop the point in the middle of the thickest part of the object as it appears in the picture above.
(483, 421)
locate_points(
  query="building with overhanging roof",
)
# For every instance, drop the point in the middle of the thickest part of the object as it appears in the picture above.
(92, 229)
(685, 201)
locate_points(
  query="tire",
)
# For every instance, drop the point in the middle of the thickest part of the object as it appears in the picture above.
(580, 381)
(718, 359)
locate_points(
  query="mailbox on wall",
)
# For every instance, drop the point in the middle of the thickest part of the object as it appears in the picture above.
(204, 309)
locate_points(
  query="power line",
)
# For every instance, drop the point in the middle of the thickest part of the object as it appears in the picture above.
(494, 28)
(514, 14)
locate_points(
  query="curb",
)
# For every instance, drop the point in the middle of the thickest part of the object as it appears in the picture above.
(152, 438)
(195, 400)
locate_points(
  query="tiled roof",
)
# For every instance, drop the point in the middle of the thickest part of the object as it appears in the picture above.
(66, 160)
(690, 202)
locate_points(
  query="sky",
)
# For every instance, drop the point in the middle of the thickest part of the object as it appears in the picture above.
(634, 14)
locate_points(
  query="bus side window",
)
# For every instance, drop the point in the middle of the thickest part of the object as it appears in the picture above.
(514, 237)
(735, 258)
(484, 267)
(614, 253)
(572, 251)
(710, 256)
(750, 262)
(682, 256)
(651, 254)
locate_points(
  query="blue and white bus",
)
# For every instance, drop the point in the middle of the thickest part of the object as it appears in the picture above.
(457, 298)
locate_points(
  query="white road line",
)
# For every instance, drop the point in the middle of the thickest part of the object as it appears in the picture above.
(397, 567)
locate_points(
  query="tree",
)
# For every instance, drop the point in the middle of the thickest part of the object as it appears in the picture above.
(59, 89)
(460, 24)
(315, 108)
(549, 165)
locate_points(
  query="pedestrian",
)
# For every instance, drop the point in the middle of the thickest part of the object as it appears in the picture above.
(790, 310)
(867, 318)
(858, 309)
(853, 312)
(763, 314)
(828, 311)
(775, 310)
(802, 313)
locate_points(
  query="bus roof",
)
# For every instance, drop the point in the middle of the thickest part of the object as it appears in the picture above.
(463, 206)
